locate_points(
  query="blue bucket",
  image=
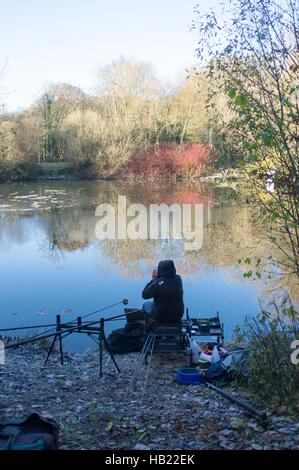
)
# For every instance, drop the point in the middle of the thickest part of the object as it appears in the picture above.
(188, 375)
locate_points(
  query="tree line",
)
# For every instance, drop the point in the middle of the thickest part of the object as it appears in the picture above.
(132, 124)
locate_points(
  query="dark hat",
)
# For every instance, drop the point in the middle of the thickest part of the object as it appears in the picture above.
(166, 268)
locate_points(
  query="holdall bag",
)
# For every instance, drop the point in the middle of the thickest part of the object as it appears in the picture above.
(33, 433)
(127, 339)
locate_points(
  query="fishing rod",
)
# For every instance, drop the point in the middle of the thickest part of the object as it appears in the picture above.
(26, 327)
(260, 414)
(116, 317)
(49, 334)
(124, 302)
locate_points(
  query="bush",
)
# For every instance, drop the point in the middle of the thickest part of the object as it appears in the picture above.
(15, 171)
(272, 377)
(168, 161)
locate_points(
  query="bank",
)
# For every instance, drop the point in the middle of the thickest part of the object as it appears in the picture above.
(96, 413)
(27, 171)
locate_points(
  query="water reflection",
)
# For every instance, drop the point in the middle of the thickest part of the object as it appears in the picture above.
(51, 257)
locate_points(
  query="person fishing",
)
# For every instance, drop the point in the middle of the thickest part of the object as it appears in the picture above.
(166, 290)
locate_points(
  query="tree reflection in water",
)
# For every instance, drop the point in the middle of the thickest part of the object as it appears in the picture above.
(64, 214)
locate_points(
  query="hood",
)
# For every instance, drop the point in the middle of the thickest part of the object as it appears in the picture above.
(166, 268)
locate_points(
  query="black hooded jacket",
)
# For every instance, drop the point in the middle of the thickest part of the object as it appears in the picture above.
(167, 292)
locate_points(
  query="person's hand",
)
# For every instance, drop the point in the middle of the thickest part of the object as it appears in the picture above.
(155, 273)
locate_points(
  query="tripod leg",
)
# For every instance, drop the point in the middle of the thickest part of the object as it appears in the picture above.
(111, 354)
(60, 348)
(101, 355)
(146, 347)
(152, 347)
(50, 350)
(147, 352)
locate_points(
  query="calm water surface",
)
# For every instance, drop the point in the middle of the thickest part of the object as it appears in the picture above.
(52, 262)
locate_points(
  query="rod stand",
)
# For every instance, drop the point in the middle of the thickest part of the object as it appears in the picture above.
(58, 336)
(103, 342)
(64, 329)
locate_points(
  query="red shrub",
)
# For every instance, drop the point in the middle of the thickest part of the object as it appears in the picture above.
(191, 160)
(168, 161)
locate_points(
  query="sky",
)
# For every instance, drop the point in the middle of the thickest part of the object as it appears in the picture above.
(45, 41)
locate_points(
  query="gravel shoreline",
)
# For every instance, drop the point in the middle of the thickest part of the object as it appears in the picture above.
(100, 413)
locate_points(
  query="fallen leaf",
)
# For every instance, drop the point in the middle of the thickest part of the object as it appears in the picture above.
(109, 427)
(179, 426)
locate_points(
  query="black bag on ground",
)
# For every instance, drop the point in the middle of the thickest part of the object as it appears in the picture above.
(235, 362)
(215, 372)
(33, 433)
(127, 339)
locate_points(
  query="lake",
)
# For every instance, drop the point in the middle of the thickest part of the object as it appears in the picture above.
(52, 261)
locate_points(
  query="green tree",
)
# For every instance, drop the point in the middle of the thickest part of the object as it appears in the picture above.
(53, 107)
(251, 53)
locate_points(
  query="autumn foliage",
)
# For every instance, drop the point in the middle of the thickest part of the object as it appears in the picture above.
(133, 127)
(168, 161)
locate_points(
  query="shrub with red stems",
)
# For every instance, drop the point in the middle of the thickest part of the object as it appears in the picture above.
(168, 161)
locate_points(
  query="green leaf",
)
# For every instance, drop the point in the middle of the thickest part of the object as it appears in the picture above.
(241, 100)
(231, 93)
(248, 274)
